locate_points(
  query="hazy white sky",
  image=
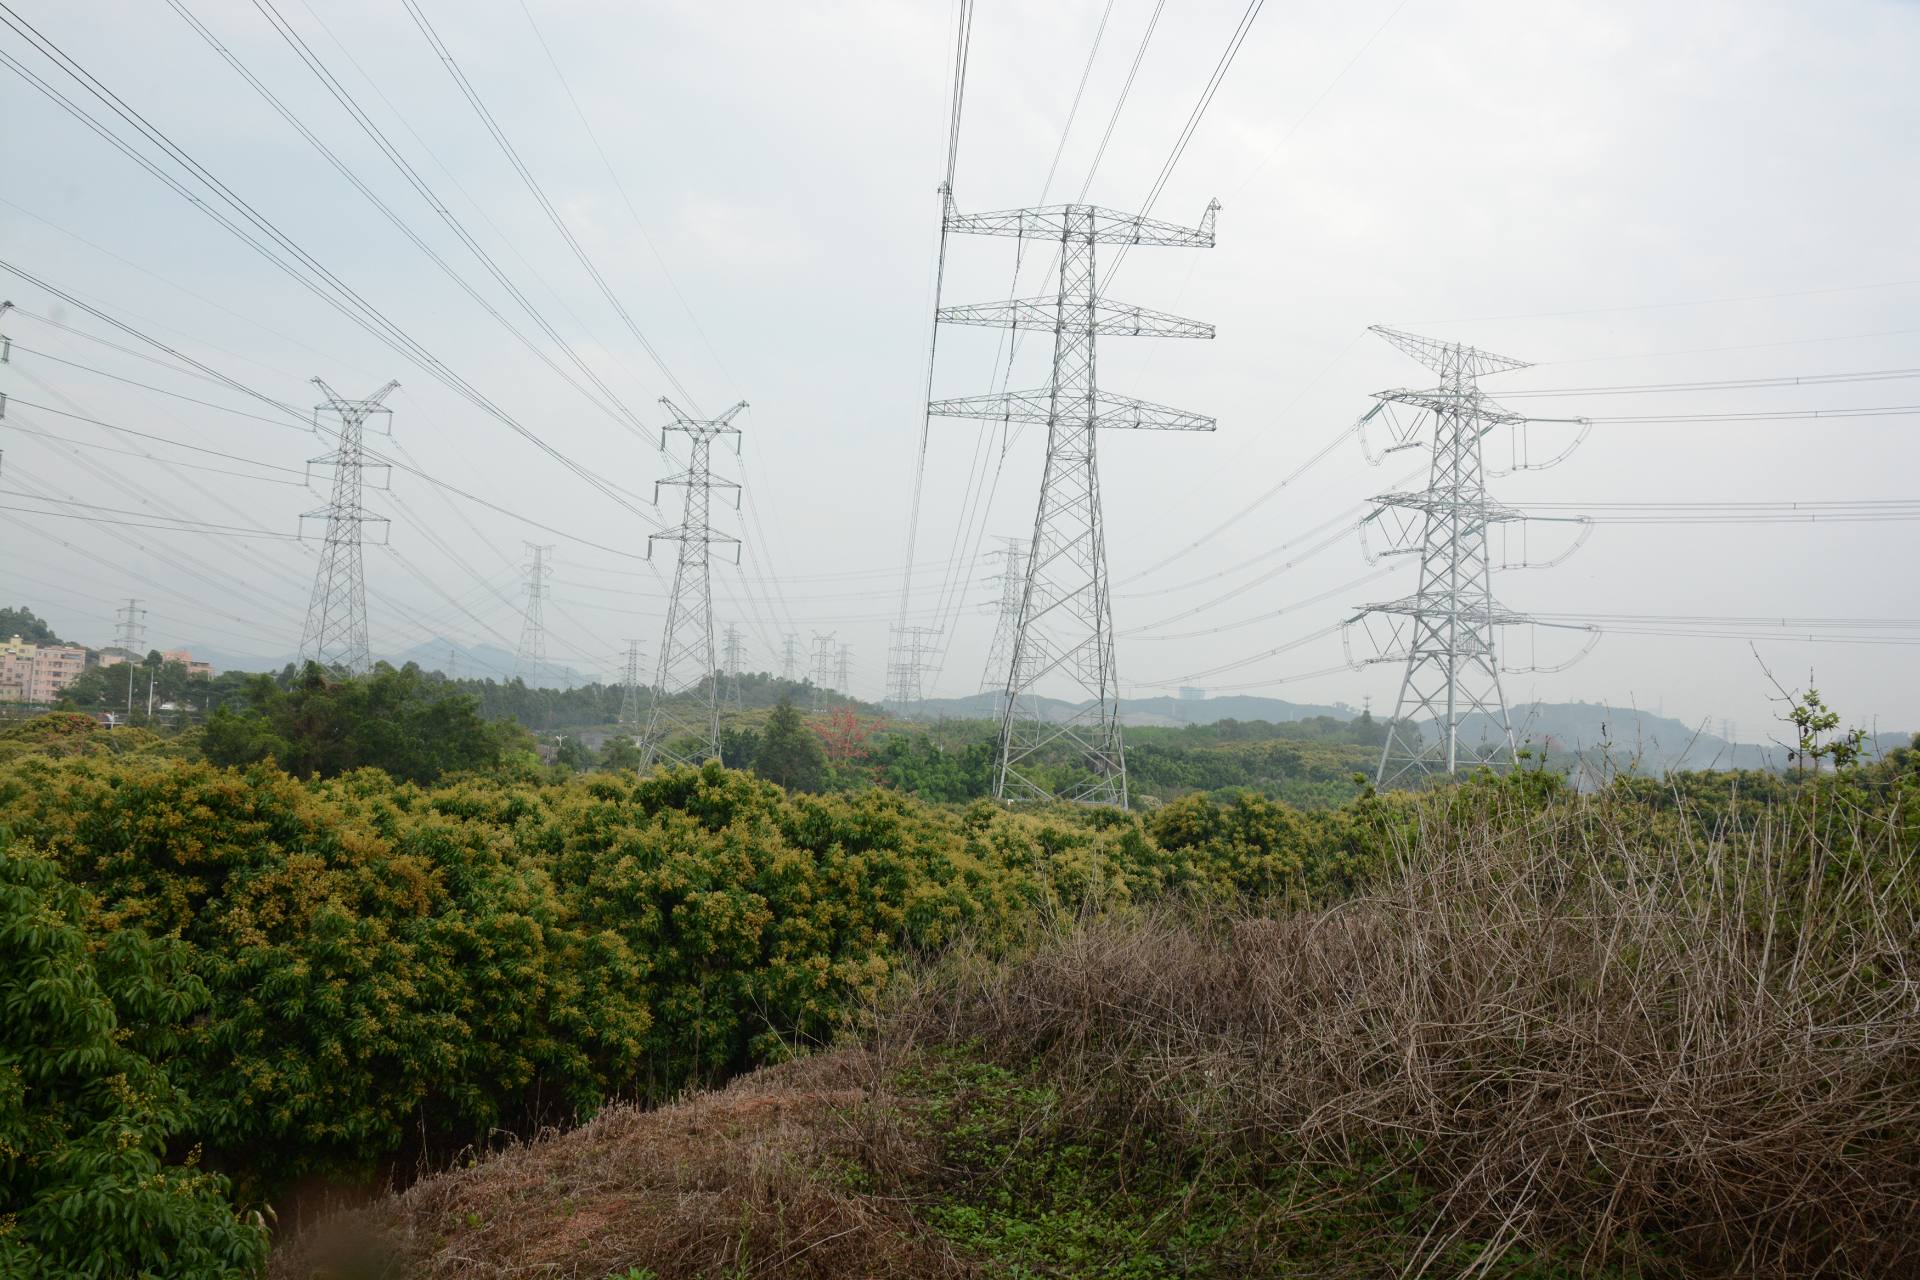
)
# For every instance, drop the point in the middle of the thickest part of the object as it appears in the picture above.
(1624, 194)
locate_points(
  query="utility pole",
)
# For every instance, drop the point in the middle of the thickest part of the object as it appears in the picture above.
(530, 661)
(130, 636)
(453, 663)
(1444, 631)
(1012, 581)
(1064, 631)
(684, 725)
(789, 655)
(335, 635)
(731, 644)
(630, 689)
(822, 667)
(907, 665)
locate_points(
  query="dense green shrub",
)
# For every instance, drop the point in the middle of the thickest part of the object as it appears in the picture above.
(85, 1114)
(384, 960)
(400, 721)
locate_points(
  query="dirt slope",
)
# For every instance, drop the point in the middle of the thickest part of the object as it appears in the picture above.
(753, 1180)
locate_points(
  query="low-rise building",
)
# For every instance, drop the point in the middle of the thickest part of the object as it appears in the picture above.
(114, 657)
(187, 660)
(38, 672)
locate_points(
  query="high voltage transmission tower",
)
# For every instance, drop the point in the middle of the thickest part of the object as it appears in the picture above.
(335, 635)
(789, 655)
(630, 688)
(684, 725)
(822, 667)
(530, 661)
(1064, 630)
(907, 661)
(843, 668)
(130, 636)
(731, 645)
(130, 628)
(1012, 581)
(1444, 631)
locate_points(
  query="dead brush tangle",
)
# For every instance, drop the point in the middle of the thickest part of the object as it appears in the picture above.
(1641, 1047)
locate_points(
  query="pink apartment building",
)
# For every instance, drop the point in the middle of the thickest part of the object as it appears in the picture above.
(38, 672)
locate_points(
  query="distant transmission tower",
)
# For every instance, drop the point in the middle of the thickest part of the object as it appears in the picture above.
(684, 725)
(1444, 631)
(731, 644)
(1065, 624)
(843, 668)
(1012, 581)
(822, 667)
(630, 689)
(130, 636)
(789, 655)
(335, 635)
(530, 662)
(907, 656)
(130, 629)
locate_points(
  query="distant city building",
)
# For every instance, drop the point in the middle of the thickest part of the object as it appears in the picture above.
(38, 672)
(114, 657)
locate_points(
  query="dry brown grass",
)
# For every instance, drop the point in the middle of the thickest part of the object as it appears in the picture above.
(1676, 1059)
(748, 1181)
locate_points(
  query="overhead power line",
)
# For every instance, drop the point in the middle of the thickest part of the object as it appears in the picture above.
(298, 264)
(1780, 415)
(1721, 384)
(507, 149)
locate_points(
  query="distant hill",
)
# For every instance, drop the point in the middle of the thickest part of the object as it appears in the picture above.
(1626, 736)
(483, 662)
(1146, 711)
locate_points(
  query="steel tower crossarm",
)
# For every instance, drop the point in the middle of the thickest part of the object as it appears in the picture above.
(1465, 508)
(1086, 224)
(1449, 357)
(1108, 319)
(1444, 400)
(1108, 410)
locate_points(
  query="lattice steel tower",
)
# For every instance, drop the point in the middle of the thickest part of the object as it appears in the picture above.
(685, 722)
(531, 658)
(1012, 581)
(789, 655)
(731, 645)
(843, 668)
(130, 629)
(630, 688)
(1444, 631)
(822, 667)
(907, 651)
(1065, 625)
(335, 635)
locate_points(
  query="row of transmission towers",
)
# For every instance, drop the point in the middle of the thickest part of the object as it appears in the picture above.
(1055, 618)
